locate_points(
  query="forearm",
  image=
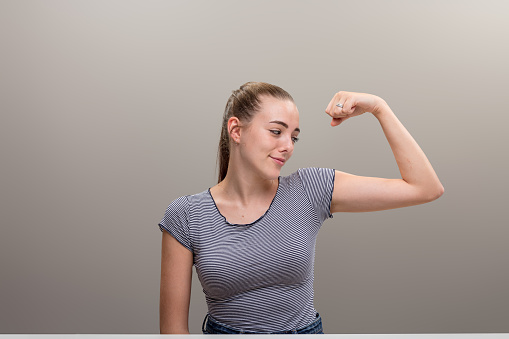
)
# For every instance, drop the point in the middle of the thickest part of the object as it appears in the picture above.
(173, 317)
(413, 164)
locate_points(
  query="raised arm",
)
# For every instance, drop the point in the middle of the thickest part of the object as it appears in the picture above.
(175, 294)
(419, 183)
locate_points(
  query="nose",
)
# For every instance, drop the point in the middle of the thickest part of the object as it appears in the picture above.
(286, 145)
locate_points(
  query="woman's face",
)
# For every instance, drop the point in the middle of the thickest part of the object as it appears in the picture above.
(267, 142)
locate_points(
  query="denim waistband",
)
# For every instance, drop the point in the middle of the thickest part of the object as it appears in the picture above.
(211, 326)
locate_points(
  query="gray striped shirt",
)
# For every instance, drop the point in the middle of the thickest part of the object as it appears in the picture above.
(257, 276)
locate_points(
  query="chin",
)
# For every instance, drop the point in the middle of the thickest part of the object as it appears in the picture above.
(269, 172)
(273, 175)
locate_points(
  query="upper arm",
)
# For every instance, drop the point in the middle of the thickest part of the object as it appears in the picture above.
(175, 293)
(353, 193)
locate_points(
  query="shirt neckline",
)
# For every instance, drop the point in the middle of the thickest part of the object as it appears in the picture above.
(251, 223)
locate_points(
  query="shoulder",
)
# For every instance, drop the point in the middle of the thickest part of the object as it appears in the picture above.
(318, 182)
(311, 177)
(317, 185)
(315, 174)
(184, 203)
(310, 172)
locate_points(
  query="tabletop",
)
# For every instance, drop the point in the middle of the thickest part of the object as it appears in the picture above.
(261, 336)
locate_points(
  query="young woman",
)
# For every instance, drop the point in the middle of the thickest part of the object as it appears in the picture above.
(252, 236)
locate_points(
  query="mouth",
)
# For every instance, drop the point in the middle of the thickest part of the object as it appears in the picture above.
(279, 161)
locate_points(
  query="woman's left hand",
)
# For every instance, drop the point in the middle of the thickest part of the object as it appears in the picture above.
(354, 104)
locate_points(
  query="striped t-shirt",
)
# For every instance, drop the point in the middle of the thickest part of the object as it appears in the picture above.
(257, 276)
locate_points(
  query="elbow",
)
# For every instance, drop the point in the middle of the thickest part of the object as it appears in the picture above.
(435, 194)
(442, 190)
(429, 194)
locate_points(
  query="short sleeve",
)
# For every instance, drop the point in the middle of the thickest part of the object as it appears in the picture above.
(176, 222)
(319, 185)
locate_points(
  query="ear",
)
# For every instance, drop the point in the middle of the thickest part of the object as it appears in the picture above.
(234, 129)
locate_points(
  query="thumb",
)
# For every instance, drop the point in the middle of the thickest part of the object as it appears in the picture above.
(336, 121)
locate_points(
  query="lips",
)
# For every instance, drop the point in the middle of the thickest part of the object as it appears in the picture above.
(279, 161)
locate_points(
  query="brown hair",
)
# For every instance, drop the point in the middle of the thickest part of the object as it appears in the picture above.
(244, 103)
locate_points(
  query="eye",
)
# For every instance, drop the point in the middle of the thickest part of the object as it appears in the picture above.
(275, 131)
(295, 139)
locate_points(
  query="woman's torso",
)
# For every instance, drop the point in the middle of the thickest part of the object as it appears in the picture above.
(258, 276)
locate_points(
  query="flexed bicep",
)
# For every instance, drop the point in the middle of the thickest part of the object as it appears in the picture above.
(353, 193)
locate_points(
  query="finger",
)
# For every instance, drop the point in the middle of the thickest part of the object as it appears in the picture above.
(348, 106)
(329, 107)
(338, 110)
(335, 99)
(336, 121)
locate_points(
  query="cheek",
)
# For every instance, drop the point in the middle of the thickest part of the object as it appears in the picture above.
(257, 144)
(263, 141)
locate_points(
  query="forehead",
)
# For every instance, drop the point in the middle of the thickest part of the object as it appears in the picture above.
(278, 109)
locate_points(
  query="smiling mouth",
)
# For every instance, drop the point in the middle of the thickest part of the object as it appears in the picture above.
(278, 160)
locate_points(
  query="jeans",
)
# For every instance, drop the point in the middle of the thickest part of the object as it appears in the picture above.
(210, 326)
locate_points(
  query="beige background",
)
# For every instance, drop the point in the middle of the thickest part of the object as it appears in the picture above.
(111, 109)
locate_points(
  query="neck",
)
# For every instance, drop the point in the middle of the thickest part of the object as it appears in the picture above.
(244, 186)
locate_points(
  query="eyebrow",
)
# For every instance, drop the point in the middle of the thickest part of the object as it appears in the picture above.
(283, 124)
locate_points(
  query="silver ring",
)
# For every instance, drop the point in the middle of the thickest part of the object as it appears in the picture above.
(339, 105)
